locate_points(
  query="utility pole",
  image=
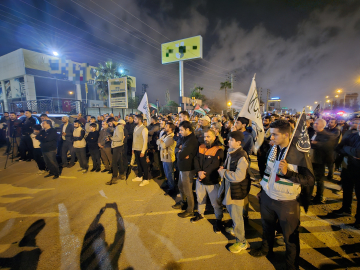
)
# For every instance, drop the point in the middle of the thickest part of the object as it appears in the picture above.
(167, 96)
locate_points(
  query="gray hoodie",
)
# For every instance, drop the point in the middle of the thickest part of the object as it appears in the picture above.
(118, 136)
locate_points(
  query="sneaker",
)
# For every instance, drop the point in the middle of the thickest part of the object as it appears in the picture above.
(41, 172)
(230, 230)
(341, 213)
(217, 226)
(197, 218)
(84, 171)
(56, 177)
(178, 205)
(137, 179)
(98, 170)
(105, 170)
(144, 183)
(279, 240)
(260, 252)
(237, 247)
(93, 170)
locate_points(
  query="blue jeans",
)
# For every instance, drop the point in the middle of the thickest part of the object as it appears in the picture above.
(236, 214)
(169, 173)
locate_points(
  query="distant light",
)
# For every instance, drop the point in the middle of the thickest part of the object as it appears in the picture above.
(275, 98)
(71, 92)
(55, 53)
(121, 71)
(311, 111)
(340, 113)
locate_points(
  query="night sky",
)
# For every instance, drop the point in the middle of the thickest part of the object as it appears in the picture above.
(300, 50)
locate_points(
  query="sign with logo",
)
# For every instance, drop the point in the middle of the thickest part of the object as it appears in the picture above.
(118, 97)
(183, 49)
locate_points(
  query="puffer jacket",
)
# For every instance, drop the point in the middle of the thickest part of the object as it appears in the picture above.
(209, 160)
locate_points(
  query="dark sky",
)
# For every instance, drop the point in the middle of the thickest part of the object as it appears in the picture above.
(301, 50)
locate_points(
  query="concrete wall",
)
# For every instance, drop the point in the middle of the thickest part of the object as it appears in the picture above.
(12, 65)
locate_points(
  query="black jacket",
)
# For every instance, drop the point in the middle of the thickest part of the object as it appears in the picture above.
(130, 129)
(189, 149)
(69, 132)
(47, 140)
(336, 136)
(350, 146)
(27, 125)
(322, 151)
(92, 140)
(209, 160)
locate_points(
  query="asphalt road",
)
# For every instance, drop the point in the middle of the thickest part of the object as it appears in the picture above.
(78, 222)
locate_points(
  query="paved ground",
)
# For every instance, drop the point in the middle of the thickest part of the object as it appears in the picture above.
(78, 222)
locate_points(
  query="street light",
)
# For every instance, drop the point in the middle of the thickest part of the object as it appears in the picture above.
(327, 97)
(339, 90)
(229, 103)
(71, 92)
(316, 102)
(337, 96)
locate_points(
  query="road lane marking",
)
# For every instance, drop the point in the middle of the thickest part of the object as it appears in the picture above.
(153, 213)
(67, 176)
(196, 258)
(102, 193)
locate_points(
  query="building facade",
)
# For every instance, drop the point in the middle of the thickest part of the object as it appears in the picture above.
(36, 80)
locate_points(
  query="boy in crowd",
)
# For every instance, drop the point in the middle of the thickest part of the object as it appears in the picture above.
(38, 157)
(92, 141)
(236, 187)
(80, 146)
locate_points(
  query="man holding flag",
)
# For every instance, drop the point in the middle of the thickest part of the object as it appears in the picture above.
(288, 174)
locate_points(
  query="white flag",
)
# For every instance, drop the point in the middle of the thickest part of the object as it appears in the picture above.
(251, 110)
(238, 100)
(144, 108)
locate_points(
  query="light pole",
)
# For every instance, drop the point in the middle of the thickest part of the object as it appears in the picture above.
(339, 91)
(229, 105)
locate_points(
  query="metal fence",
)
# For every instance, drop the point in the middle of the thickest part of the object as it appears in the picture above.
(65, 106)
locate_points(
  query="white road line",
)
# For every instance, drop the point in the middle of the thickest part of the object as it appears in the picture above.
(196, 258)
(102, 193)
(153, 213)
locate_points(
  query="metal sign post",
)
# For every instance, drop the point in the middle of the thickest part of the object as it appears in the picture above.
(181, 85)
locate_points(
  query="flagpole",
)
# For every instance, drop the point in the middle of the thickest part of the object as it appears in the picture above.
(292, 137)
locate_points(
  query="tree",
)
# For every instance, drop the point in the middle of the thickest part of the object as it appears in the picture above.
(133, 103)
(195, 92)
(109, 70)
(170, 107)
(225, 86)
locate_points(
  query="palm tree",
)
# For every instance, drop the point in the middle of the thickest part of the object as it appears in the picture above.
(199, 88)
(225, 86)
(109, 70)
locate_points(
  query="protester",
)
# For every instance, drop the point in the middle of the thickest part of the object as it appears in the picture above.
(48, 139)
(130, 126)
(204, 126)
(185, 157)
(207, 162)
(248, 143)
(44, 117)
(118, 151)
(265, 146)
(92, 142)
(37, 153)
(167, 146)
(216, 127)
(350, 148)
(105, 146)
(281, 187)
(335, 139)
(67, 141)
(80, 146)
(26, 148)
(81, 119)
(139, 148)
(236, 187)
(321, 154)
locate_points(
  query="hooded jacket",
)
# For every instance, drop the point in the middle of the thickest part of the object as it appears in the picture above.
(209, 160)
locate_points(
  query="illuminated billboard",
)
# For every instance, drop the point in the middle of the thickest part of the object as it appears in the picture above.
(118, 96)
(183, 49)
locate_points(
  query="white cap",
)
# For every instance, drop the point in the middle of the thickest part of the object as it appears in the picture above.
(122, 122)
(206, 118)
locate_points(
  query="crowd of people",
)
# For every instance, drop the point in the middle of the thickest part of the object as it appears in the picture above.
(208, 153)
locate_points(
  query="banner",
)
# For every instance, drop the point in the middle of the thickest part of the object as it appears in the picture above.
(201, 111)
(66, 105)
(298, 152)
(238, 100)
(206, 108)
(251, 110)
(144, 108)
(152, 105)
